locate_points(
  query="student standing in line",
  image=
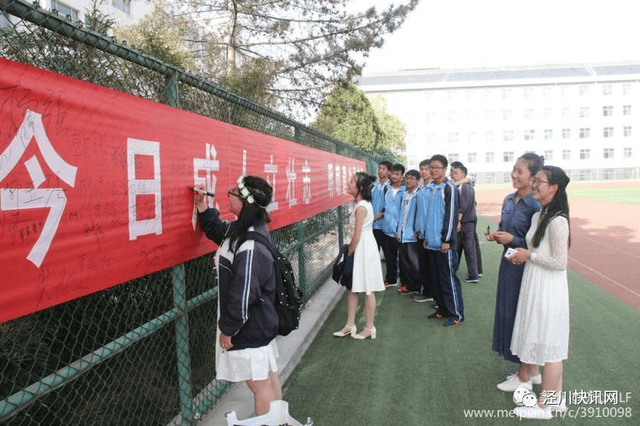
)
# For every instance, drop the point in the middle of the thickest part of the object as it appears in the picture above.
(467, 221)
(426, 288)
(378, 193)
(367, 270)
(246, 349)
(408, 248)
(541, 327)
(515, 220)
(390, 224)
(440, 242)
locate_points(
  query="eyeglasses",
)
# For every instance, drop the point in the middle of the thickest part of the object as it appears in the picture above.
(537, 182)
(230, 193)
(434, 168)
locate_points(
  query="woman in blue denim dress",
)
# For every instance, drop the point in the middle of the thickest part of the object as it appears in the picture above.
(515, 221)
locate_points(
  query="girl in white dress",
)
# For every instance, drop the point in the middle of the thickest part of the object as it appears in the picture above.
(367, 270)
(541, 327)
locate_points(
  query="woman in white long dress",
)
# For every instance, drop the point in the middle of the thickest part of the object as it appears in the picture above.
(367, 270)
(541, 327)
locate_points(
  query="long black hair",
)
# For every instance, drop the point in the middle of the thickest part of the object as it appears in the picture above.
(559, 206)
(364, 183)
(255, 202)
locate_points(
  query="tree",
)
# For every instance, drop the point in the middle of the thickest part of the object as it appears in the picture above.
(347, 115)
(301, 48)
(393, 129)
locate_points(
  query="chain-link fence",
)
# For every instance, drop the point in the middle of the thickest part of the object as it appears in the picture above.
(142, 352)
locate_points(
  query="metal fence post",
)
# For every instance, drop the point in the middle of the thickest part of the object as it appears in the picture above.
(340, 224)
(182, 343)
(302, 271)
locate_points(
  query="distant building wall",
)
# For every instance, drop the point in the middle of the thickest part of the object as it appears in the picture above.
(585, 119)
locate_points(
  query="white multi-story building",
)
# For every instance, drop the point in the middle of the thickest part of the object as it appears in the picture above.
(124, 12)
(583, 118)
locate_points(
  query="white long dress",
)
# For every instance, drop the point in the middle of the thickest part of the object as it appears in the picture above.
(541, 327)
(367, 270)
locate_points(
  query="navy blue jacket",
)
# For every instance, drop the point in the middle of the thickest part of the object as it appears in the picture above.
(246, 285)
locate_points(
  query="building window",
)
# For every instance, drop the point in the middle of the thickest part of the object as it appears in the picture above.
(626, 110)
(529, 135)
(506, 114)
(64, 10)
(506, 93)
(430, 138)
(564, 91)
(566, 112)
(607, 153)
(489, 137)
(627, 131)
(527, 92)
(471, 115)
(490, 157)
(471, 137)
(627, 152)
(584, 112)
(471, 157)
(548, 113)
(507, 156)
(428, 117)
(607, 89)
(123, 5)
(546, 91)
(583, 90)
(452, 115)
(507, 135)
(607, 111)
(528, 114)
(548, 155)
(585, 154)
(452, 137)
(451, 95)
(584, 133)
(453, 156)
(548, 134)
(566, 133)
(607, 132)
(566, 154)
(488, 114)
(626, 89)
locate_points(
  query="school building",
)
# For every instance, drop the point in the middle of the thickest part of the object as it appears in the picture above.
(583, 118)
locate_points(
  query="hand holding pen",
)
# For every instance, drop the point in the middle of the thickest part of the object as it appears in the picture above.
(200, 194)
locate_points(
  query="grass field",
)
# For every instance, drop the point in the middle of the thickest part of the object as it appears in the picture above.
(418, 372)
(615, 195)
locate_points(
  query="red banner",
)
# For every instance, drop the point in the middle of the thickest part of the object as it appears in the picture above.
(94, 185)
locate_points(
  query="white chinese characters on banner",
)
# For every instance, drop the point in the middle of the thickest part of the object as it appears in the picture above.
(291, 183)
(306, 183)
(54, 199)
(208, 166)
(138, 187)
(271, 171)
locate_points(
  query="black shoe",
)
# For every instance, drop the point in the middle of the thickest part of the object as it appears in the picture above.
(436, 315)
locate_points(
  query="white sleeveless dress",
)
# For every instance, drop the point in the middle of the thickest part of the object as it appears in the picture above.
(367, 269)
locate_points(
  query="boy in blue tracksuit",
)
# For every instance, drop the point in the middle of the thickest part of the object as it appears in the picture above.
(440, 241)
(390, 218)
(378, 193)
(426, 290)
(408, 249)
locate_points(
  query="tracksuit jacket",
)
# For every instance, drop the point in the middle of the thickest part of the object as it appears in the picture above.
(441, 219)
(392, 209)
(378, 200)
(246, 285)
(406, 230)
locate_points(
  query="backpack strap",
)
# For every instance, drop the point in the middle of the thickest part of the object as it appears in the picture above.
(256, 236)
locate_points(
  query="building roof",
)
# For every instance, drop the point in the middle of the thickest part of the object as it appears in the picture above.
(478, 76)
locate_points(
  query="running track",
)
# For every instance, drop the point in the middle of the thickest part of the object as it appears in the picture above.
(605, 239)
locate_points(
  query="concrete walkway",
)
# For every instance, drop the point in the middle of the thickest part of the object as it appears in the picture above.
(291, 349)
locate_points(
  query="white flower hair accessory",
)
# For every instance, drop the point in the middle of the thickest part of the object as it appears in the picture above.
(244, 191)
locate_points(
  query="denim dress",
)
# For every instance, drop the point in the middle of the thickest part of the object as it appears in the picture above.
(516, 220)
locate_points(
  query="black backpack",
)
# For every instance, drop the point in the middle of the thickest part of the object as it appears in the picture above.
(288, 295)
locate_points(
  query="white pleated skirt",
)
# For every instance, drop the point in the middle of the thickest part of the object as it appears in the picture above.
(246, 364)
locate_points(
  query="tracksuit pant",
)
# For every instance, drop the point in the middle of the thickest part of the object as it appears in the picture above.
(448, 292)
(410, 266)
(390, 250)
(468, 241)
(426, 282)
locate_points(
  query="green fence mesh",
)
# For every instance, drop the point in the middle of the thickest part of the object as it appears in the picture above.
(142, 352)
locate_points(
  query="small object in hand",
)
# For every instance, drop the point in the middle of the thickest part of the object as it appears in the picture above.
(510, 251)
(194, 189)
(488, 229)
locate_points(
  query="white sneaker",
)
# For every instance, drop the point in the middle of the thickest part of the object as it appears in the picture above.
(536, 380)
(512, 383)
(534, 412)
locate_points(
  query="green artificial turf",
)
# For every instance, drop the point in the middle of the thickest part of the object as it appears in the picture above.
(418, 372)
(612, 195)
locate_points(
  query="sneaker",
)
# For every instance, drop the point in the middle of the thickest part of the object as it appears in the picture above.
(534, 412)
(472, 280)
(421, 298)
(387, 284)
(480, 274)
(411, 293)
(402, 289)
(535, 380)
(512, 383)
(436, 315)
(452, 322)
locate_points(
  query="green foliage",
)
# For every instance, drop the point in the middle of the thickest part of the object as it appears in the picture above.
(393, 129)
(347, 115)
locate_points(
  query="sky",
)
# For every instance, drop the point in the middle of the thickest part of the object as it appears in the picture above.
(496, 33)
